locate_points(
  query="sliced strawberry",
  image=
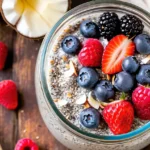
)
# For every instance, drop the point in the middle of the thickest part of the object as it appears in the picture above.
(117, 49)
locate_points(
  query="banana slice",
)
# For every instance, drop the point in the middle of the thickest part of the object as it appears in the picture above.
(33, 18)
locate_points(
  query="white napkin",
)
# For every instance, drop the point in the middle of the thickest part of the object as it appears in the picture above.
(145, 4)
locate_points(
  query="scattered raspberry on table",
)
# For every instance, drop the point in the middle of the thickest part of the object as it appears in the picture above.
(3, 54)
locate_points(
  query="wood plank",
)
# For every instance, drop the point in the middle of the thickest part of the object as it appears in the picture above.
(0, 5)
(147, 148)
(25, 52)
(30, 123)
(8, 119)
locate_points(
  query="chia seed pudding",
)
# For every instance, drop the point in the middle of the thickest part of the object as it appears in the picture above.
(63, 86)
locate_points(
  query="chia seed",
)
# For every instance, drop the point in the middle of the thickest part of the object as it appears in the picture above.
(60, 85)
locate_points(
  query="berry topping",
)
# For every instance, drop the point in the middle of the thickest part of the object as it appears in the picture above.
(90, 118)
(3, 55)
(26, 144)
(124, 81)
(71, 45)
(141, 100)
(117, 49)
(91, 53)
(130, 64)
(93, 43)
(131, 25)
(87, 78)
(8, 94)
(143, 76)
(104, 90)
(119, 116)
(89, 29)
(142, 43)
(108, 25)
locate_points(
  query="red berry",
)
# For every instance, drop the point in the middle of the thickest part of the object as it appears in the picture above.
(91, 53)
(119, 116)
(117, 49)
(3, 55)
(94, 43)
(26, 144)
(141, 101)
(8, 94)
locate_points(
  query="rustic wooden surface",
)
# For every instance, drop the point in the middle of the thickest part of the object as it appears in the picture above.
(25, 122)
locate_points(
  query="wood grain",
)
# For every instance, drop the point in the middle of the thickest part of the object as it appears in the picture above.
(8, 119)
(25, 122)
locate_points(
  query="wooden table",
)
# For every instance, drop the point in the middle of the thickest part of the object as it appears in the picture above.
(26, 121)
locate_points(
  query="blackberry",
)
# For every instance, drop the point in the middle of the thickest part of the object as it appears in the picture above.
(109, 25)
(131, 25)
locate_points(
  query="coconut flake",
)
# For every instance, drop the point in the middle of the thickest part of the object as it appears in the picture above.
(81, 100)
(68, 73)
(113, 79)
(104, 42)
(93, 102)
(73, 68)
(72, 71)
(62, 102)
(145, 60)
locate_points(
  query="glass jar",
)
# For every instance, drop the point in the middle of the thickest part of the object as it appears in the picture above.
(68, 134)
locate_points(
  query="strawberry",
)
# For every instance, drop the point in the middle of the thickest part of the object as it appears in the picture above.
(117, 49)
(91, 53)
(3, 54)
(8, 94)
(141, 101)
(119, 116)
(26, 144)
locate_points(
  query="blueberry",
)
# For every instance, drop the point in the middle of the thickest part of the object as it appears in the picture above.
(124, 81)
(87, 78)
(89, 29)
(71, 45)
(142, 42)
(90, 118)
(130, 64)
(143, 76)
(104, 90)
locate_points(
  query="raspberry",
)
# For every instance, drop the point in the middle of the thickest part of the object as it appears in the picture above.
(91, 54)
(26, 144)
(141, 100)
(3, 55)
(8, 94)
(93, 43)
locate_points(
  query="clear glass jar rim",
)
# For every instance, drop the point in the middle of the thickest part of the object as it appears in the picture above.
(71, 127)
